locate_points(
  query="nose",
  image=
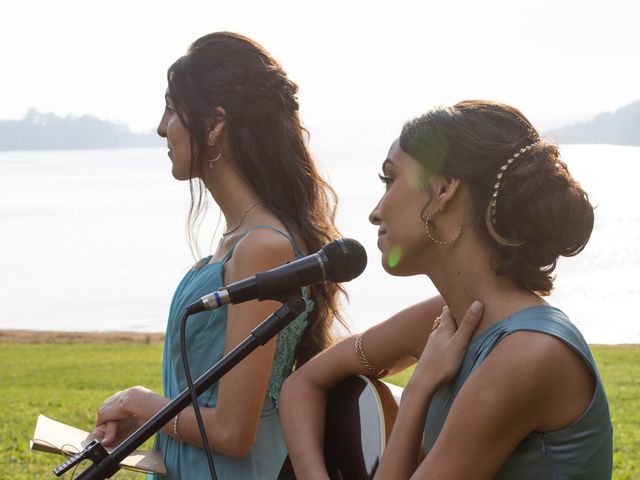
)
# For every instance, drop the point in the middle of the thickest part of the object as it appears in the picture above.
(374, 216)
(162, 126)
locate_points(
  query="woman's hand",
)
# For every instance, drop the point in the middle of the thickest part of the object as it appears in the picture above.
(116, 419)
(112, 433)
(117, 406)
(439, 362)
(446, 346)
(392, 345)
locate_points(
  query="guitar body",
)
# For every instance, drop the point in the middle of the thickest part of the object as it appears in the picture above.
(360, 414)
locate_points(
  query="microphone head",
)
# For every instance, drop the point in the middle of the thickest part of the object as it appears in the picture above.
(346, 259)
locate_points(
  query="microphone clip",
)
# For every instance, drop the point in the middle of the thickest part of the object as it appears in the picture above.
(94, 451)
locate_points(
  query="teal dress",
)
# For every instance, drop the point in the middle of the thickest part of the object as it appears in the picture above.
(205, 335)
(582, 450)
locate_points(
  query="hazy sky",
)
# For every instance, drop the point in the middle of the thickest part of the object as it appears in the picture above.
(361, 66)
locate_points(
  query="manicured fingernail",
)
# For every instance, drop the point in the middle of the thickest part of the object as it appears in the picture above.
(476, 307)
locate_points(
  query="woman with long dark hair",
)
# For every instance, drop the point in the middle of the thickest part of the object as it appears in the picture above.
(233, 131)
(505, 385)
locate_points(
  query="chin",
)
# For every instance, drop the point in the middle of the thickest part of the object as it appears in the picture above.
(179, 175)
(407, 266)
(397, 270)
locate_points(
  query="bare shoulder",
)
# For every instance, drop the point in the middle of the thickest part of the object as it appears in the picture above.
(552, 381)
(538, 353)
(530, 382)
(261, 249)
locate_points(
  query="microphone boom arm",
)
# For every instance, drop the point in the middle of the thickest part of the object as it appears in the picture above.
(293, 305)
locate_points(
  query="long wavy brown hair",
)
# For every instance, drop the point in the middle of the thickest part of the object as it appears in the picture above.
(269, 150)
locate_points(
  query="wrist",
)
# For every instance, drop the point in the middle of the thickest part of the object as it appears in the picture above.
(134, 396)
(423, 386)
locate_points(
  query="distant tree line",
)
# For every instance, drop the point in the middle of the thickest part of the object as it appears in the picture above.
(621, 127)
(47, 131)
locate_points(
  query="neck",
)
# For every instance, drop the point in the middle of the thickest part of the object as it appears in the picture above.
(462, 273)
(231, 193)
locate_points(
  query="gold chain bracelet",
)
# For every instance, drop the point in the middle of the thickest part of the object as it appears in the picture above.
(376, 372)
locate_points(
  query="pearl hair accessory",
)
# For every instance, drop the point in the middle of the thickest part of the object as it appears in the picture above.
(496, 187)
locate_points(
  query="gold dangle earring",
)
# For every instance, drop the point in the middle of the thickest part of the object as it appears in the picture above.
(430, 227)
(211, 161)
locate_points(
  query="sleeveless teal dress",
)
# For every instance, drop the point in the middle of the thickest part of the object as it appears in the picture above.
(582, 450)
(205, 333)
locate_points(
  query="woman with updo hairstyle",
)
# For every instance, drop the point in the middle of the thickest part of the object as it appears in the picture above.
(232, 129)
(505, 385)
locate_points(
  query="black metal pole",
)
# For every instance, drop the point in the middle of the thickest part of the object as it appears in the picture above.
(291, 308)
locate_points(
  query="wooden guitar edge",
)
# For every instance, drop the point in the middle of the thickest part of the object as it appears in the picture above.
(386, 404)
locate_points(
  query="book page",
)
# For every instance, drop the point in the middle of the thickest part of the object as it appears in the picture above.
(56, 437)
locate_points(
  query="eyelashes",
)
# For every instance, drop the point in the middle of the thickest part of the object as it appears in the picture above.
(385, 179)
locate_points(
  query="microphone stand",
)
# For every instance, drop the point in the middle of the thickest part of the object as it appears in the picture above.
(106, 464)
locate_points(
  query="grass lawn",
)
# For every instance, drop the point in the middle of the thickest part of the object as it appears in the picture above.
(69, 378)
(66, 382)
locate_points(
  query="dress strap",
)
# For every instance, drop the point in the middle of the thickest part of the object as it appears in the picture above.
(296, 249)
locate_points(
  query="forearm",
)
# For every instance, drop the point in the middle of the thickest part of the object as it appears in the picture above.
(303, 427)
(144, 404)
(400, 457)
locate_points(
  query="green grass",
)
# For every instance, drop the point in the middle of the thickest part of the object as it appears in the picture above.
(620, 370)
(68, 382)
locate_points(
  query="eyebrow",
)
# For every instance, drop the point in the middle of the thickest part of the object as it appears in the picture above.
(387, 162)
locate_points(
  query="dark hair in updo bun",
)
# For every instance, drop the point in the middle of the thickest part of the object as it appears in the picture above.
(541, 212)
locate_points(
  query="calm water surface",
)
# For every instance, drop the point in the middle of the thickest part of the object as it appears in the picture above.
(94, 240)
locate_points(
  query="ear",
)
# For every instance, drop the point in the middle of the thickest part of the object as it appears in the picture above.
(217, 125)
(446, 189)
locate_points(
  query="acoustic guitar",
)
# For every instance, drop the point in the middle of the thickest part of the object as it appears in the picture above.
(360, 414)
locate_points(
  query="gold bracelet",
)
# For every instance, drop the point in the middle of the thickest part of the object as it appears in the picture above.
(175, 427)
(376, 372)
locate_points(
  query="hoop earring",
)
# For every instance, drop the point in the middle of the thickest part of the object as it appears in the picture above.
(429, 227)
(211, 161)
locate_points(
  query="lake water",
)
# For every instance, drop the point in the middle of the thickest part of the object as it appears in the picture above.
(94, 240)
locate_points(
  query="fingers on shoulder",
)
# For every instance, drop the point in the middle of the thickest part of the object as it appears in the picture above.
(469, 321)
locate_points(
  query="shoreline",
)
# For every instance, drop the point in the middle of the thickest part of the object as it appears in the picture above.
(51, 336)
(60, 336)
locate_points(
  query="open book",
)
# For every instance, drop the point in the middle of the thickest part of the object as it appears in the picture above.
(55, 437)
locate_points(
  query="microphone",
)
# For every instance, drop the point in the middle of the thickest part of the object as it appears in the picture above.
(339, 261)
